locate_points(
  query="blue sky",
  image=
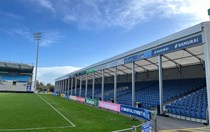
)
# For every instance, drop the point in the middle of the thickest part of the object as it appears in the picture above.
(77, 33)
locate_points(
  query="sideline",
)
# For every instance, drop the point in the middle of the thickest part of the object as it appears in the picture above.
(73, 125)
(30, 129)
(126, 129)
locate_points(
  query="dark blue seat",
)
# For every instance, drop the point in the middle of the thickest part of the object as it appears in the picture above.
(194, 105)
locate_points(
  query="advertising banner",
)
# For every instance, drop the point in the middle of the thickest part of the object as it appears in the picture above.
(146, 127)
(80, 99)
(73, 97)
(90, 70)
(54, 93)
(178, 45)
(109, 106)
(28, 88)
(115, 63)
(91, 101)
(141, 113)
(140, 56)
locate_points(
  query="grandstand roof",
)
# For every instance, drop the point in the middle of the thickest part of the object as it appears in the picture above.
(179, 49)
(15, 67)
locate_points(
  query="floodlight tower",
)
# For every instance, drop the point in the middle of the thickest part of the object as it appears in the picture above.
(37, 37)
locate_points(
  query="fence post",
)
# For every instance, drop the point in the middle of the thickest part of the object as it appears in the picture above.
(154, 121)
(133, 128)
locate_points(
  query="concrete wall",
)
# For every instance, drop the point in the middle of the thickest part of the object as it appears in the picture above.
(9, 86)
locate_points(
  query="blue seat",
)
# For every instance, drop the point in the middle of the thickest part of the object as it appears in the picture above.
(194, 105)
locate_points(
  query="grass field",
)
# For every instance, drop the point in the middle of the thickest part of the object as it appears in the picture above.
(47, 113)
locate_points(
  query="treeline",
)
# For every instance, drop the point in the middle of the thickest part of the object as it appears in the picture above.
(41, 87)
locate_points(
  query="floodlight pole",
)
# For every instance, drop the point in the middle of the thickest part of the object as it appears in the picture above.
(37, 37)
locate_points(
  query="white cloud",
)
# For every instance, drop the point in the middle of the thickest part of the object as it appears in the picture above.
(20, 32)
(11, 15)
(49, 37)
(88, 14)
(49, 74)
(45, 3)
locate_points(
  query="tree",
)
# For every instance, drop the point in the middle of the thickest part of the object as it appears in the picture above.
(41, 87)
(50, 87)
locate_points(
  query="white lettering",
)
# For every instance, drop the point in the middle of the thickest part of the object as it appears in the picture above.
(185, 43)
(161, 50)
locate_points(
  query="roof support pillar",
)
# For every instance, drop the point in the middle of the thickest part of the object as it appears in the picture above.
(80, 88)
(65, 87)
(93, 86)
(65, 90)
(115, 85)
(133, 84)
(72, 81)
(102, 86)
(75, 92)
(206, 39)
(160, 83)
(68, 87)
(62, 86)
(86, 85)
(59, 86)
(180, 71)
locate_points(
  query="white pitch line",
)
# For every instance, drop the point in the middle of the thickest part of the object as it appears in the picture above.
(30, 129)
(123, 130)
(126, 129)
(73, 125)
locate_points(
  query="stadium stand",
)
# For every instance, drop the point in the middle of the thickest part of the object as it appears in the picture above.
(175, 68)
(147, 91)
(23, 78)
(193, 105)
(15, 77)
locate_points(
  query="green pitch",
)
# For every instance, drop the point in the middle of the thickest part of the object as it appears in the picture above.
(47, 113)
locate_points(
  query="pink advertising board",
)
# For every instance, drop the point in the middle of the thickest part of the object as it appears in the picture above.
(80, 99)
(109, 106)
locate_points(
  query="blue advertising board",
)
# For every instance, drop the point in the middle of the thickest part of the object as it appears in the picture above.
(115, 63)
(28, 88)
(146, 127)
(54, 93)
(141, 113)
(140, 56)
(178, 45)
